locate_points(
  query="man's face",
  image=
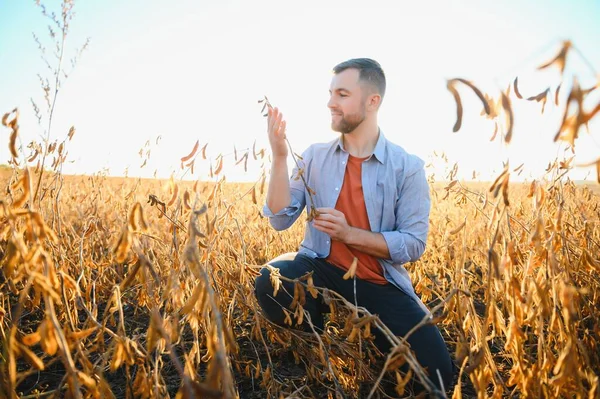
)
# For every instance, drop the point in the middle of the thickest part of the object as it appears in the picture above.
(347, 101)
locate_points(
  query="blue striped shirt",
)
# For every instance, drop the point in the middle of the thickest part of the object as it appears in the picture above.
(396, 194)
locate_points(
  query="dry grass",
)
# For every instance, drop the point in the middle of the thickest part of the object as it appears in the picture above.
(102, 294)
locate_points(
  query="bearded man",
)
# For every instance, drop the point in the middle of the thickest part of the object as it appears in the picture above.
(372, 209)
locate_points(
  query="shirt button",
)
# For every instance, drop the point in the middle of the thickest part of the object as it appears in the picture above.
(343, 162)
(337, 188)
(327, 242)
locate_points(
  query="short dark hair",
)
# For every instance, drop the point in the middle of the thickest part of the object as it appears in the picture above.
(369, 71)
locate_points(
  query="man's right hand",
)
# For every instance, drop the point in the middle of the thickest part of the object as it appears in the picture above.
(276, 130)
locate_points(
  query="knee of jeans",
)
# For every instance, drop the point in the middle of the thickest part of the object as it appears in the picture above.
(262, 285)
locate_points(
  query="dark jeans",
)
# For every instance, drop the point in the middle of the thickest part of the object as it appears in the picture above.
(398, 311)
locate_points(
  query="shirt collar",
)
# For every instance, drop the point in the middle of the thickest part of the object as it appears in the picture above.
(378, 152)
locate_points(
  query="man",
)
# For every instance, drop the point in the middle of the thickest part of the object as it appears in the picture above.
(372, 202)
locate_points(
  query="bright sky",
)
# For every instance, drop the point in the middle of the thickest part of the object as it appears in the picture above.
(193, 70)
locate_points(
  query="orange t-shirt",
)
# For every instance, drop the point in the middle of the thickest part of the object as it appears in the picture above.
(351, 203)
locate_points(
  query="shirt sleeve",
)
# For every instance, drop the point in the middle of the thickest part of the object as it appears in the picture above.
(288, 215)
(407, 242)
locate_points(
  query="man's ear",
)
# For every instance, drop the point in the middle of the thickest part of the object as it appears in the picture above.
(374, 101)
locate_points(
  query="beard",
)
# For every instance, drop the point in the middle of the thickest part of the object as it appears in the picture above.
(349, 123)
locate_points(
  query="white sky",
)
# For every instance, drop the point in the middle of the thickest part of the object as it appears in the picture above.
(194, 70)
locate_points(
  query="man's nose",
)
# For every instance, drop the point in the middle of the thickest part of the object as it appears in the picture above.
(331, 104)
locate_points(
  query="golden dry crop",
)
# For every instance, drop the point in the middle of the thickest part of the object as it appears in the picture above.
(106, 293)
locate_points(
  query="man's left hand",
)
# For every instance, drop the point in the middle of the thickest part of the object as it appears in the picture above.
(333, 222)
